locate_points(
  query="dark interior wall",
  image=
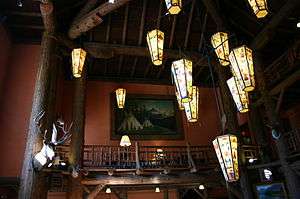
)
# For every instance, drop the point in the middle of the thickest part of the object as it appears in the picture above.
(5, 51)
(16, 102)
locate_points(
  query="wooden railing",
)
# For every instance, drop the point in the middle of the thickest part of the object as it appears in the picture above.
(147, 157)
(292, 140)
(100, 157)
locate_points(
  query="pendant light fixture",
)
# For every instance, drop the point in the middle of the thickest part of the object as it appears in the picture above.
(155, 41)
(125, 141)
(242, 67)
(157, 190)
(182, 76)
(78, 59)
(180, 104)
(226, 150)
(192, 108)
(239, 96)
(173, 6)
(121, 95)
(221, 45)
(259, 7)
(108, 190)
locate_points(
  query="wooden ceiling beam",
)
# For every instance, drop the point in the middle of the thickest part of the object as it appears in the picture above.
(93, 18)
(141, 34)
(267, 33)
(102, 50)
(89, 5)
(48, 16)
(184, 178)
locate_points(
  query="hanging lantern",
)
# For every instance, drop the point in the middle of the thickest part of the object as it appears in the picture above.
(240, 97)
(221, 45)
(242, 67)
(259, 7)
(173, 6)
(191, 108)
(125, 141)
(155, 40)
(180, 105)
(121, 95)
(226, 150)
(182, 76)
(78, 58)
(157, 190)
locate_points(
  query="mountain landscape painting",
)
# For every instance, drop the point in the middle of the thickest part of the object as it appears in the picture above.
(147, 117)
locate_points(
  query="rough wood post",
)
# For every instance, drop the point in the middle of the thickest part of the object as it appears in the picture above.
(166, 194)
(256, 126)
(77, 140)
(30, 179)
(137, 158)
(291, 178)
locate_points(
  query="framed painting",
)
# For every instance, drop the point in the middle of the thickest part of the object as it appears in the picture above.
(147, 117)
(270, 191)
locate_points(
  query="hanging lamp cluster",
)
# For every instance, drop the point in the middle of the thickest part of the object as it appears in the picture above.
(226, 150)
(259, 7)
(240, 97)
(221, 45)
(192, 107)
(173, 6)
(242, 68)
(78, 59)
(120, 96)
(155, 41)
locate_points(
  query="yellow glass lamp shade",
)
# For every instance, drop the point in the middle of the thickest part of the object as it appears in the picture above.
(221, 45)
(78, 58)
(182, 76)
(192, 108)
(173, 6)
(121, 95)
(259, 7)
(155, 41)
(226, 150)
(125, 141)
(180, 105)
(240, 97)
(157, 190)
(242, 67)
(108, 190)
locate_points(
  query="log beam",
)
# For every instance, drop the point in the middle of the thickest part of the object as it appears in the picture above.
(93, 18)
(48, 16)
(102, 50)
(185, 178)
(93, 194)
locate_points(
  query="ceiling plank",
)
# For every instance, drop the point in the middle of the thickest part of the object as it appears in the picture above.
(124, 33)
(170, 45)
(141, 34)
(93, 18)
(25, 14)
(188, 29)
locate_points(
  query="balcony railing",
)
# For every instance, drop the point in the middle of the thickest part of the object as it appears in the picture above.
(292, 140)
(100, 157)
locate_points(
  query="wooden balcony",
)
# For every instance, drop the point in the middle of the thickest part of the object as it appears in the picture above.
(151, 158)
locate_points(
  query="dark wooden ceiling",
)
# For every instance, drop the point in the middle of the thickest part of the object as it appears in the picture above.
(190, 31)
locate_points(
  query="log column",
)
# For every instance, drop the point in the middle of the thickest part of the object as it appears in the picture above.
(77, 140)
(291, 178)
(29, 177)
